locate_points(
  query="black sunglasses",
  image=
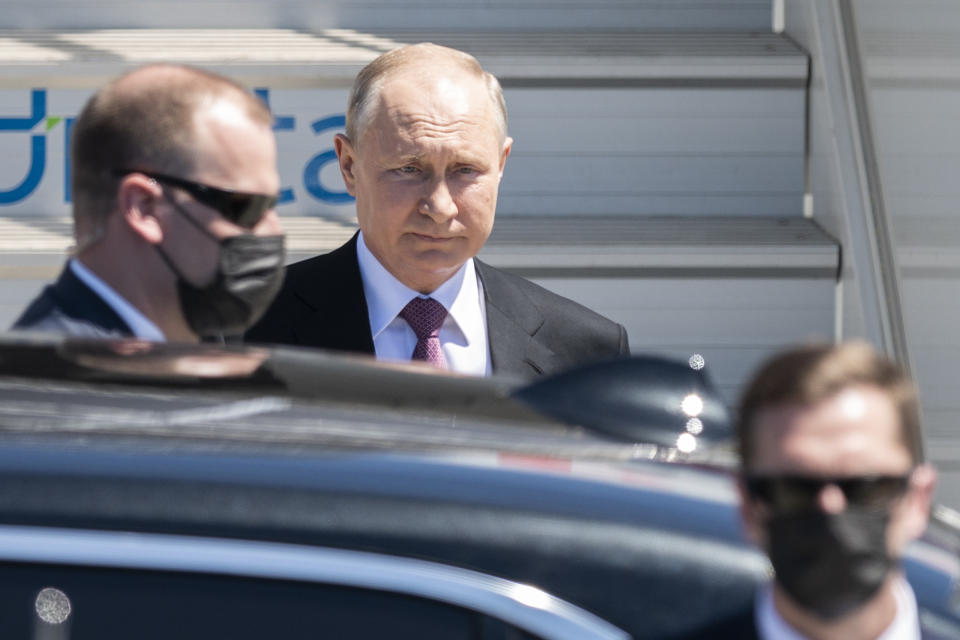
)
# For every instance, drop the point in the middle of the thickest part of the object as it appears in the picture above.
(242, 209)
(790, 493)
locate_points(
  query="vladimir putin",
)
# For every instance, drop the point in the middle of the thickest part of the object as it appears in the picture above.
(425, 147)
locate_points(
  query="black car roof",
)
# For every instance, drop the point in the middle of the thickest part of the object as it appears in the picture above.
(236, 396)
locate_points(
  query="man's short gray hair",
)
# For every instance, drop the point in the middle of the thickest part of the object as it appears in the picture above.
(366, 86)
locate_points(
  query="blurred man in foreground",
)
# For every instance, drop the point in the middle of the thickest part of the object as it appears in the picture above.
(833, 489)
(174, 186)
(424, 151)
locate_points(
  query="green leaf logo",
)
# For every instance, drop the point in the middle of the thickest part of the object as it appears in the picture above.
(52, 122)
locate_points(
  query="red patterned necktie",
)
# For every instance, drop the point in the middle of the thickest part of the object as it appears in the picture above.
(425, 316)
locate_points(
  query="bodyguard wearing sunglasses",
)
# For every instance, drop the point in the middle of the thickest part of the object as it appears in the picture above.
(174, 186)
(833, 489)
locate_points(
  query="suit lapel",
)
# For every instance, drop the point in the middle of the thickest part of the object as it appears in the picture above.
(512, 323)
(338, 317)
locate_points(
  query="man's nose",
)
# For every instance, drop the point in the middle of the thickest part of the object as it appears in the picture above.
(438, 202)
(269, 224)
(831, 499)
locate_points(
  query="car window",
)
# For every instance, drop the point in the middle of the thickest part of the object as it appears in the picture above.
(58, 602)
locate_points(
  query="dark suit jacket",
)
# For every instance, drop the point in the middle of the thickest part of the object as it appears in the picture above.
(531, 330)
(69, 306)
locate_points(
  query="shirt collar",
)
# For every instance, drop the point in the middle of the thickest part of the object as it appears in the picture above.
(141, 326)
(905, 624)
(386, 296)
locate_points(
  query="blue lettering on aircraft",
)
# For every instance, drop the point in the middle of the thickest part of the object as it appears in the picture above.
(311, 173)
(67, 179)
(38, 147)
(312, 179)
(280, 123)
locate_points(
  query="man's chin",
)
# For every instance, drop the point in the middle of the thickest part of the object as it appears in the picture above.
(430, 269)
(437, 259)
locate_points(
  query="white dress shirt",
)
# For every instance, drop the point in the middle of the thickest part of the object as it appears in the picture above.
(905, 625)
(463, 336)
(139, 324)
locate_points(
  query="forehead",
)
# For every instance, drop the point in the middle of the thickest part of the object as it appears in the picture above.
(430, 108)
(233, 150)
(854, 432)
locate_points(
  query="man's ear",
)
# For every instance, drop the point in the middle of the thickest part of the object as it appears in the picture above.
(137, 197)
(919, 497)
(507, 148)
(347, 157)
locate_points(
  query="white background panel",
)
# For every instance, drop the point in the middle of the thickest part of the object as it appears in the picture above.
(931, 311)
(651, 204)
(897, 102)
(678, 102)
(733, 323)
(655, 152)
(699, 293)
(661, 175)
(920, 122)
(925, 174)
(745, 15)
(916, 205)
(919, 17)
(937, 370)
(639, 134)
(730, 326)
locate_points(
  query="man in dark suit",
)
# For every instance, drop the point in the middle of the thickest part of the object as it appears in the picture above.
(833, 488)
(174, 185)
(424, 152)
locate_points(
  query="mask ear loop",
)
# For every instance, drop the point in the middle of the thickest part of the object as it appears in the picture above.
(170, 265)
(219, 338)
(183, 212)
(179, 209)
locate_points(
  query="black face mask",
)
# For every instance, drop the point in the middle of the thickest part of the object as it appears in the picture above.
(249, 275)
(830, 564)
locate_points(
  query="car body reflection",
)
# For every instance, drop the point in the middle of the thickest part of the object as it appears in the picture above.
(561, 509)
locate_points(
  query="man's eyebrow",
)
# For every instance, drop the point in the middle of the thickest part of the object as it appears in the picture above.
(401, 158)
(471, 160)
(416, 158)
